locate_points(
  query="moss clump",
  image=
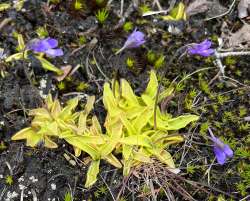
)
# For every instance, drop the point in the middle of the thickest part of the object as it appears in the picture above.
(82, 86)
(128, 26)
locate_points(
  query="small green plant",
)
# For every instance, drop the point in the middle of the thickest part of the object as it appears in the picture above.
(79, 5)
(42, 32)
(103, 190)
(82, 86)
(9, 180)
(144, 8)
(102, 15)
(128, 26)
(135, 127)
(159, 62)
(82, 40)
(151, 57)
(2, 146)
(61, 86)
(130, 62)
(68, 197)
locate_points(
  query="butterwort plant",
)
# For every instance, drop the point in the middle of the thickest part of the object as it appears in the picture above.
(203, 49)
(221, 150)
(134, 40)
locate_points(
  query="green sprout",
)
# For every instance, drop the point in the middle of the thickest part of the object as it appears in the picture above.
(9, 180)
(78, 5)
(102, 15)
(61, 86)
(159, 62)
(128, 26)
(151, 56)
(82, 86)
(144, 9)
(2, 146)
(67, 196)
(82, 40)
(130, 62)
(42, 32)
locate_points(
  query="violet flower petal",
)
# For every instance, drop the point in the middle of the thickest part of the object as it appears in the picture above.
(43, 45)
(135, 39)
(202, 49)
(228, 151)
(50, 42)
(54, 52)
(220, 155)
(206, 44)
(206, 53)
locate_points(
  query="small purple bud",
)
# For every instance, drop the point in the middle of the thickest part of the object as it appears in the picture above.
(221, 150)
(135, 39)
(202, 49)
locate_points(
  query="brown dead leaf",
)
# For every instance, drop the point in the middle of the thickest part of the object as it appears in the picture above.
(216, 9)
(198, 6)
(243, 7)
(212, 8)
(240, 37)
(66, 70)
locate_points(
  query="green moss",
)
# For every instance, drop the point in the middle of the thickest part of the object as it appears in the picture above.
(191, 169)
(244, 127)
(215, 108)
(242, 188)
(151, 57)
(9, 180)
(144, 8)
(160, 61)
(82, 40)
(68, 197)
(204, 128)
(128, 26)
(42, 32)
(238, 72)
(222, 99)
(2, 146)
(103, 190)
(82, 86)
(229, 61)
(102, 15)
(130, 63)
(79, 5)
(61, 86)
(242, 111)
(204, 86)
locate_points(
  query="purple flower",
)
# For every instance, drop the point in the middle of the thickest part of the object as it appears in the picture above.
(221, 150)
(202, 48)
(135, 39)
(46, 46)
